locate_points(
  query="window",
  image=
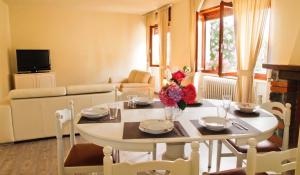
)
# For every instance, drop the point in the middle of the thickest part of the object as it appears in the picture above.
(216, 51)
(154, 47)
(154, 44)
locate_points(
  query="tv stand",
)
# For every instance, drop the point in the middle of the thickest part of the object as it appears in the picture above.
(35, 80)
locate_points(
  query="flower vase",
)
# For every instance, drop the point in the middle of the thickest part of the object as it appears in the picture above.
(172, 113)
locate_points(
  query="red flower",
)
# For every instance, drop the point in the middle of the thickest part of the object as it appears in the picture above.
(165, 99)
(189, 94)
(178, 76)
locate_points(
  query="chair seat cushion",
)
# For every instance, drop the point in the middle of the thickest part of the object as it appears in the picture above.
(237, 171)
(263, 146)
(85, 155)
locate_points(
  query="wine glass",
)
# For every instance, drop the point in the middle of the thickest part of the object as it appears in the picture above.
(226, 101)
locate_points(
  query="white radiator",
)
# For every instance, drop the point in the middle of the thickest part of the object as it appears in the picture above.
(215, 87)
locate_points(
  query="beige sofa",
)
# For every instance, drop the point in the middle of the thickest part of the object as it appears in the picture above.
(32, 110)
(138, 83)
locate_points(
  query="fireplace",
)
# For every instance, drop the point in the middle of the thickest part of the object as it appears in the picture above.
(285, 88)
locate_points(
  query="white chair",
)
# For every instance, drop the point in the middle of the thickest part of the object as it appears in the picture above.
(283, 112)
(260, 163)
(177, 167)
(81, 158)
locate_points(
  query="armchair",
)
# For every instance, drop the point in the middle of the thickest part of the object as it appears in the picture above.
(138, 83)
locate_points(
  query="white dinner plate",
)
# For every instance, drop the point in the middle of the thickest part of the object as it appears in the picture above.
(215, 123)
(154, 126)
(142, 100)
(94, 112)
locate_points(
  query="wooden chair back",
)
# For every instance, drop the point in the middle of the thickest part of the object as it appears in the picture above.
(177, 167)
(65, 117)
(278, 162)
(284, 113)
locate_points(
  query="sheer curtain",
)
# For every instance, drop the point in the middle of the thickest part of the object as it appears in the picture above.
(163, 25)
(250, 22)
(195, 5)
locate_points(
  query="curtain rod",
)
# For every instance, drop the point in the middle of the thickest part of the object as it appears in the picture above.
(156, 10)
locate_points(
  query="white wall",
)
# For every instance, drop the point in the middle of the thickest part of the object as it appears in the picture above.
(4, 50)
(285, 32)
(86, 46)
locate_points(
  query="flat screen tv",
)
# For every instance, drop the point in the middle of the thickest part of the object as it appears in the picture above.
(33, 60)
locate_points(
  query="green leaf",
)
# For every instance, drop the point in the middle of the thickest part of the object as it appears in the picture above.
(181, 104)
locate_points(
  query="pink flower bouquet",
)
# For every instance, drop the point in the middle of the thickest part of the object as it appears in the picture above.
(176, 95)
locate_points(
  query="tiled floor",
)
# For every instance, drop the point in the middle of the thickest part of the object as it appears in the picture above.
(39, 157)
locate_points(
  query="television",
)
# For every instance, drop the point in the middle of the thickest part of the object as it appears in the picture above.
(33, 61)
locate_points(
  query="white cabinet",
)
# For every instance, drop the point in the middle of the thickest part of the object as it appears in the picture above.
(35, 80)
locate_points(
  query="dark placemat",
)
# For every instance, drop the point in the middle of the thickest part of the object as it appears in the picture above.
(155, 104)
(131, 131)
(257, 113)
(203, 103)
(231, 130)
(106, 119)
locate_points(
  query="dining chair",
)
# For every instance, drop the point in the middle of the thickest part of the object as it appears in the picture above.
(81, 158)
(177, 167)
(283, 112)
(261, 163)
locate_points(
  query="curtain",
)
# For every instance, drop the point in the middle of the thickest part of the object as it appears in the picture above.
(163, 25)
(195, 5)
(250, 22)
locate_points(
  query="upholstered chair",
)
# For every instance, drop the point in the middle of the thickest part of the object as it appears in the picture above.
(81, 157)
(138, 83)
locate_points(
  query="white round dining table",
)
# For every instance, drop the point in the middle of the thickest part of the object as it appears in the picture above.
(111, 134)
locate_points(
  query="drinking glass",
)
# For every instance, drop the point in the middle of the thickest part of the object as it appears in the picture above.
(226, 100)
(169, 113)
(113, 109)
(131, 103)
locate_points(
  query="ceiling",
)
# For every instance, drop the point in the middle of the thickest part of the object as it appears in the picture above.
(120, 6)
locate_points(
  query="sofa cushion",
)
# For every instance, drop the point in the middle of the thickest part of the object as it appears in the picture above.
(37, 92)
(134, 85)
(88, 89)
(137, 76)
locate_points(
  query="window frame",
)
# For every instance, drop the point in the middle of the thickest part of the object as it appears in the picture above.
(153, 27)
(216, 12)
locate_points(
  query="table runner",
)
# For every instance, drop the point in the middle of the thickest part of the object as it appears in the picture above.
(106, 119)
(131, 131)
(231, 130)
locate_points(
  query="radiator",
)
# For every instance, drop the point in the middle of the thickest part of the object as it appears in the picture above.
(215, 87)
